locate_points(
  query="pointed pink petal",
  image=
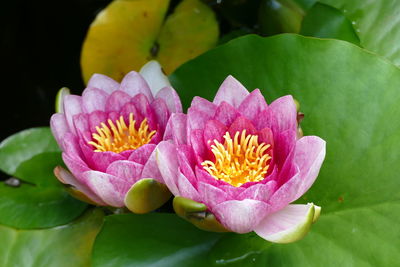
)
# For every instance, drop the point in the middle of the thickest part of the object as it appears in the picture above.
(67, 178)
(72, 107)
(176, 128)
(95, 120)
(226, 114)
(150, 169)
(204, 105)
(59, 128)
(127, 170)
(266, 136)
(109, 188)
(167, 162)
(231, 91)
(103, 82)
(252, 105)
(197, 142)
(284, 143)
(285, 113)
(117, 100)
(94, 99)
(141, 155)
(264, 119)
(76, 166)
(81, 122)
(197, 119)
(141, 104)
(308, 158)
(287, 225)
(241, 124)
(133, 84)
(240, 216)
(310, 153)
(171, 98)
(161, 112)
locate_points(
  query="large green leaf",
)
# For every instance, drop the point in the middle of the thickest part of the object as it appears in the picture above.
(377, 24)
(66, 246)
(156, 239)
(350, 98)
(327, 22)
(40, 201)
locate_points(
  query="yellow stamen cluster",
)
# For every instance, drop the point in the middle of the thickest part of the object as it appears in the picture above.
(119, 137)
(239, 161)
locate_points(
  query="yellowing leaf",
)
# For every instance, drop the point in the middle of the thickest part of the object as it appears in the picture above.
(128, 33)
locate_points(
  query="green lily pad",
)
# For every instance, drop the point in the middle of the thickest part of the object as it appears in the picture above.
(127, 34)
(156, 239)
(66, 246)
(40, 200)
(328, 22)
(350, 98)
(376, 23)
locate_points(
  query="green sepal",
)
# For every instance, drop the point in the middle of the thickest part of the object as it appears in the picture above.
(197, 214)
(146, 195)
(59, 99)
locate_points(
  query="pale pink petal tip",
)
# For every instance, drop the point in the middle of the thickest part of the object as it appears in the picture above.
(287, 225)
(154, 76)
(231, 91)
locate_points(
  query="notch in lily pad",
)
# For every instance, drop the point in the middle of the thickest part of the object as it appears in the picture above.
(197, 214)
(146, 195)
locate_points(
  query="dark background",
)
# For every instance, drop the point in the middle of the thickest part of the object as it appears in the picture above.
(40, 50)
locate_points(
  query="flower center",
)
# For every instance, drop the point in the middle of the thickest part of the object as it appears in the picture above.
(118, 137)
(239, 161)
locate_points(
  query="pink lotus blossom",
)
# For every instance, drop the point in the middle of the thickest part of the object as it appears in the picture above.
(109, 134)
(242, 159)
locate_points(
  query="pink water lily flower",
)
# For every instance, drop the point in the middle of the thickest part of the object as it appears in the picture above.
(242, 159)
(109, 134)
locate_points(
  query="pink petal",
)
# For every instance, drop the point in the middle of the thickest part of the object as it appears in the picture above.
(214, 130)
(241, 216)
(59, 128)
(204, 105)
(72, 106)
(150, 169)
(264, 119)
(285, 113)
(81, 123)
(241, 124)
(176, 128)
(231, 91)
(103, 82)
(284, 143)
(167, 162)
(186, 189)
(258, 191)
(141, 155)
(95, 120)
(266, 136)
(76, 166)
(252, 105)
(141, 103)
(171, 98)
(117, 100)
(197, 143)
(67, 178)
(197, 119)
(127, 170)
(71, 145)
(226, 114)
(308, 158)
(287, 225)
(161, 112)
(133, 84)
(94, 99)
(211, 195)
(109, 188)
(101, 160)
